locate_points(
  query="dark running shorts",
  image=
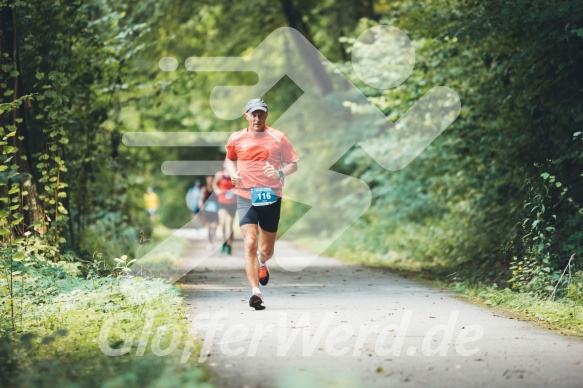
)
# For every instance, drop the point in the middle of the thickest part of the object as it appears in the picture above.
(266, 216)
(210, 216)
(231, 208)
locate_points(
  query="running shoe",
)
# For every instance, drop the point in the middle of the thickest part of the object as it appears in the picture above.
(229, 250)
(224, 247)
(263, 274)
(256, 302)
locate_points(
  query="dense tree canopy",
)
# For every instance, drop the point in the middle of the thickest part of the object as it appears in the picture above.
(497, 196)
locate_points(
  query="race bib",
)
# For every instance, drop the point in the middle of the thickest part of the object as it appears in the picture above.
(211, 206)
(230, 194)
(261, 196)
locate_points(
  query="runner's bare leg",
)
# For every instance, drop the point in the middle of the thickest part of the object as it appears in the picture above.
(222, 223)
(229, 221)
(266, 244)
(249, 232)
(212, 232)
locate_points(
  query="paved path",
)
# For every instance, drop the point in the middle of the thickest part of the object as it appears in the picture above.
(342, 325)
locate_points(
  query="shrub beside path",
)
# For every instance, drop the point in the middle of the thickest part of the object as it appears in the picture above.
(339, 324)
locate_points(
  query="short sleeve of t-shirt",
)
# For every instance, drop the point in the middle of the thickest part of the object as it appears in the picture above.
(288, 154)
(231, 151)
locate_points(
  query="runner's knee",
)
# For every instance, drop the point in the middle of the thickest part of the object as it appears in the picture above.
(267, 251)
(250, 243)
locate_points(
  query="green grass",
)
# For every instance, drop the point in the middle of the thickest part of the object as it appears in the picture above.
(63, 324)
(562, 314)
(56, 341)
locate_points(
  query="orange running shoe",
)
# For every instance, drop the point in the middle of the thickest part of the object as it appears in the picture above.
(263, 275)
(263, 272)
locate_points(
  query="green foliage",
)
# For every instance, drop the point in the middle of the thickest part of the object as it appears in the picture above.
(565, 313)
(538, 271)
(460, 203)
(110, 236)
(173, 211)
(534, 272)
(162, 259)
(46, 308)
(57, 334)
(575, 287)
(476, 202)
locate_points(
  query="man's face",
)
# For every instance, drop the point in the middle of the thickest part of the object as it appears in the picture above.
(256, 120)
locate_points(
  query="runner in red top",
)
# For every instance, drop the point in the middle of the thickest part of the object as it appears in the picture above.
(227, 199)
(258, 159)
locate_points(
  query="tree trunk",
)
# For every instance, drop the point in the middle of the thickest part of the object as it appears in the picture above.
(369, 11)
(316, 70)
(23, 157)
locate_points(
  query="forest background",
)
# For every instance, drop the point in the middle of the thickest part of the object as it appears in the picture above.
(495, 200)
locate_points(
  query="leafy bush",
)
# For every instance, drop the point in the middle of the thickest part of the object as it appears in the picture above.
(575, 288)
(59, 323)
(173, 211)
(51, 318)
(538, 270)
(110, 236)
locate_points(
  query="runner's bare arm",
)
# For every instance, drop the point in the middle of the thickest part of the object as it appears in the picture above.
(290, 168)
(231, 167)
(216, 180)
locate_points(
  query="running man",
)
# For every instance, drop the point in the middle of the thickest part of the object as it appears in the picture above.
(258, 159)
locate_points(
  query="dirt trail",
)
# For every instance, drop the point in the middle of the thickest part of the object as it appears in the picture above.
(342, 325)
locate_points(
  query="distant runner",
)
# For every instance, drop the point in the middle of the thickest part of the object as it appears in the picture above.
(225, 192)
(151, 202)
(210, 208)
(258, 159)
(193, 197)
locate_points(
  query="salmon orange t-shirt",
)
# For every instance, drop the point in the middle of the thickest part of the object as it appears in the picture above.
(252, 151)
